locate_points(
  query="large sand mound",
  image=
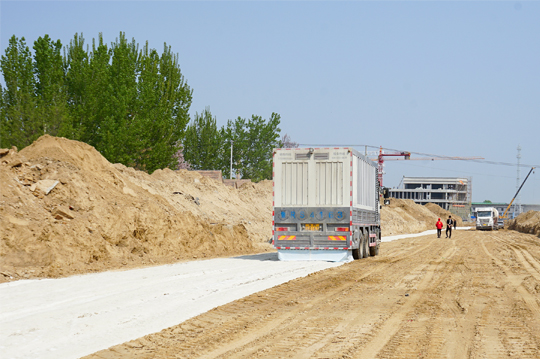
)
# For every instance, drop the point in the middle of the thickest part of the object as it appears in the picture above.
(64, 209)
(405, 216)
(528, 222)
(100, 216)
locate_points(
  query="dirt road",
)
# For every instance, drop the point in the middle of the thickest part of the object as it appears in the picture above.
(474, 296)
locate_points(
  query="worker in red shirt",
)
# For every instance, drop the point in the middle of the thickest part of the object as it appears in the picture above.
(439, 226)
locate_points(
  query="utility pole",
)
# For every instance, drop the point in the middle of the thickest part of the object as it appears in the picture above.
(517, 207)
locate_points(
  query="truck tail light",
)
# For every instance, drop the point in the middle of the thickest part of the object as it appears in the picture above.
(281, 229)
(342, 229)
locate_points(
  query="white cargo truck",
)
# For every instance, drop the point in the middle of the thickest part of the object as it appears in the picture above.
(487, 219)
(326, 204)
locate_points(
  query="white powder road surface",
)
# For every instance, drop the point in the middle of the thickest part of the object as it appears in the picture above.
(76, 316)
(80, 315)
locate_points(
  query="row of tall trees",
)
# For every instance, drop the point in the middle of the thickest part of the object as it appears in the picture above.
(130, 103)
(249, 141)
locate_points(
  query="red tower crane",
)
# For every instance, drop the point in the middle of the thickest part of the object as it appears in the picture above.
(380, 161)
(407, 156)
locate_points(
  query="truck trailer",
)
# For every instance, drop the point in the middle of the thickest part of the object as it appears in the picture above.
(326, 204)
(487, 219)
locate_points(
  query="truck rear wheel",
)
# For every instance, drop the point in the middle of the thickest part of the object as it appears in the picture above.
(356, 251)
(361, 247)
(374, 251)
(365, 244)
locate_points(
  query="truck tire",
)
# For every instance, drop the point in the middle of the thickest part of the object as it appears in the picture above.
(356, 251)
(361, 247)
(374, 251)
(366, 244)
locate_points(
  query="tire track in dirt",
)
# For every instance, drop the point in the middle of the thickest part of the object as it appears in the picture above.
(517, 335)
(359, 324)
(388, 337)
(295, 329)
(516, 279)
(524, 257)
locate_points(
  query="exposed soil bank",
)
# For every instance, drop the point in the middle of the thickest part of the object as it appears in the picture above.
(528, 222)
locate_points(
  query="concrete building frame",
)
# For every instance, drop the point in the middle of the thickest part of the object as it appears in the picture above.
(453, 194)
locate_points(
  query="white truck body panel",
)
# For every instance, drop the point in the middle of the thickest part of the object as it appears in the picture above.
(324, 180)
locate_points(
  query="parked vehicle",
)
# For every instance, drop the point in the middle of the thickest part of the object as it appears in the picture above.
(487, 219)
(326, 204)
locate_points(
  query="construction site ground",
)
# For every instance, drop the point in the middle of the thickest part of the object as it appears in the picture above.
(473, 296)
(66, 211)
(476, 295)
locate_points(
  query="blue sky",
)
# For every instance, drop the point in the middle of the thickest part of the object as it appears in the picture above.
(446, 78)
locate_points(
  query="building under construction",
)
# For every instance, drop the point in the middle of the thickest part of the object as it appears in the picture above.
(453, 194)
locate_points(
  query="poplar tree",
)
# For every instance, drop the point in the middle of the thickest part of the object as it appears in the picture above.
(76, 65)
(3, 123)
(167, 98)
(119, 130)
(51, 100)
(234, 133)
(204, 146)
(92, 93)
(262, 137)
(19, 125)
(253, 142)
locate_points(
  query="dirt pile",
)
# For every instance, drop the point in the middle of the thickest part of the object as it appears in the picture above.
(528, 222)
(405, 216)
(64, 209)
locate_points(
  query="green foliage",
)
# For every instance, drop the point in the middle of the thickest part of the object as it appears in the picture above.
(207, 148)
(76, 66)
(51, 111)
(165, 99)
(3, 116)
(131, 104)
(19, 124)
(253, 140)
(204, 146)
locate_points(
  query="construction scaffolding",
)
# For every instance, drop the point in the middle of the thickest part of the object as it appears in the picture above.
(461, 205)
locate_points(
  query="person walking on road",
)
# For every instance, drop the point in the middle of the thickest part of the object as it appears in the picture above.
(439, 226)
(449, 225)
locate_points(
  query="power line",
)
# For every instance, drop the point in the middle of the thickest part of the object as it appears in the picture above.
(498, 163)
(458, 171)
